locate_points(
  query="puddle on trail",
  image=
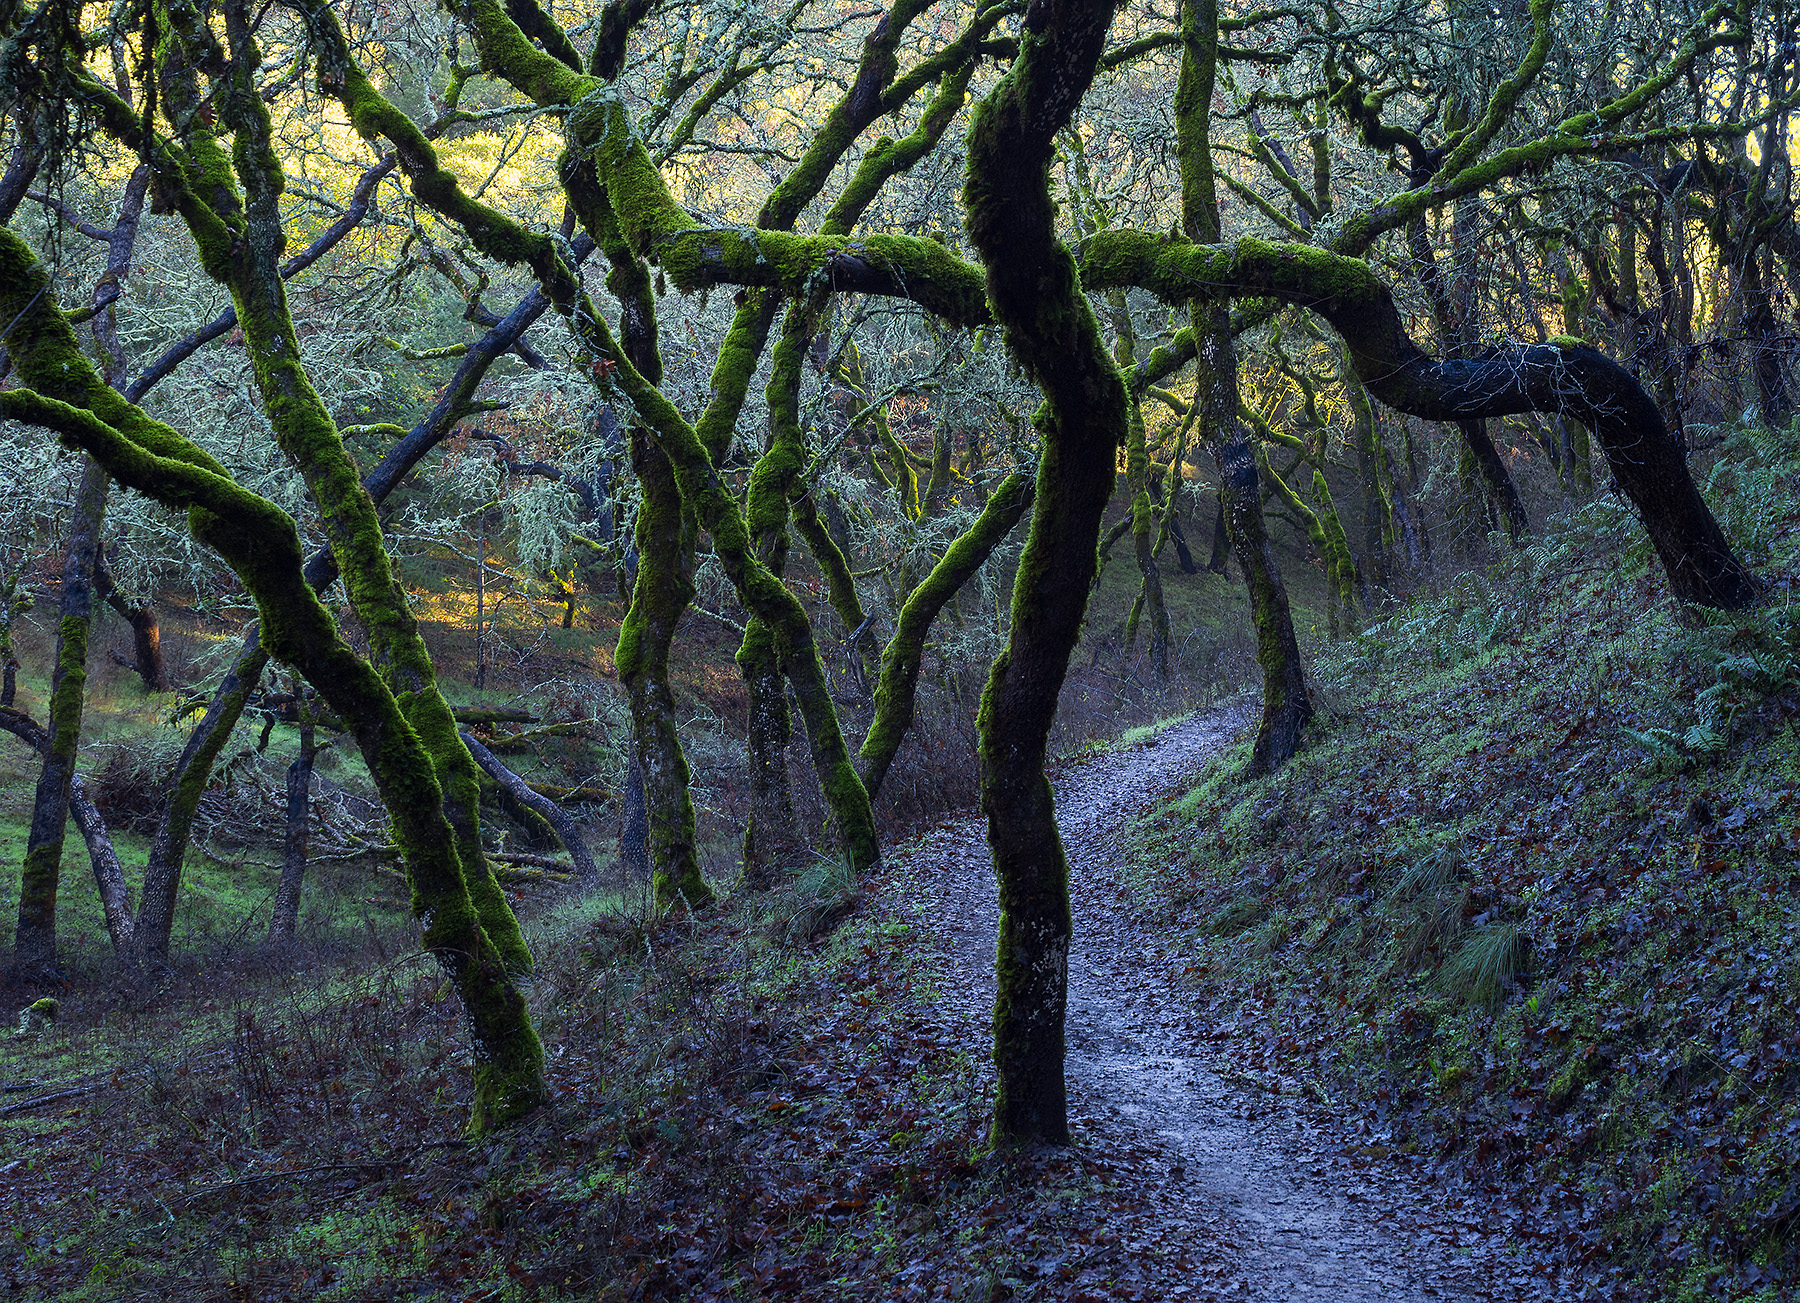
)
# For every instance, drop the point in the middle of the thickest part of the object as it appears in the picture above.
(1259, 1187)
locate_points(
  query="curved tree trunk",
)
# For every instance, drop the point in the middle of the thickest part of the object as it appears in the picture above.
(146, 635)
(1286, 703)
(586, 871)
(193, 771)
(1559, 376)
(771, 838)
(1036, 295)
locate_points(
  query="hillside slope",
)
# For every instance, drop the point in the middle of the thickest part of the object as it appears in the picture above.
(1526, 903)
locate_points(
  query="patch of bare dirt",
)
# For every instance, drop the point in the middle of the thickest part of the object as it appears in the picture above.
(1259, 1196)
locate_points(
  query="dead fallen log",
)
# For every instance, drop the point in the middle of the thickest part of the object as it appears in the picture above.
(479, 716)
(520, 791)
(533, 861)
(522, 741)
(586, 794)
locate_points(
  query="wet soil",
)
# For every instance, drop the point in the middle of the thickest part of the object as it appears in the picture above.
(1259, 1195)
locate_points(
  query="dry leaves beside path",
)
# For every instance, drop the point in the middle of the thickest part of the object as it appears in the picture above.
(1256, 1196)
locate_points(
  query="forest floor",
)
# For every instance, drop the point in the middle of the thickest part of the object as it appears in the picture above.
(1257, 1196)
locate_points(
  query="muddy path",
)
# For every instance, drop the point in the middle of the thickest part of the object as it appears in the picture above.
(1261, 1197)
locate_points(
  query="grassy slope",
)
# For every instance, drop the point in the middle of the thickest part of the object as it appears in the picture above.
(1527, 900)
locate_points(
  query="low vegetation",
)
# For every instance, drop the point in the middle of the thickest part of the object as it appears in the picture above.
(1526, 903)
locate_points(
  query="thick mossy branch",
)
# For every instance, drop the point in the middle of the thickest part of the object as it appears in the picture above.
(1574, 380)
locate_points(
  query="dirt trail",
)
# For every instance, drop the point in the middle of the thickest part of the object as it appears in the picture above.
(1263, 1192)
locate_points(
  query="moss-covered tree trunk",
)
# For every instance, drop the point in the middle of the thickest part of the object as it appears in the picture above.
(1287, 705)
(661, 592)
(83, 579)
(404, 728)
(771, 838)
(771, 835)
(34, 942)
(263, 547)
(187, 784)
(1149, 603)
(193, 770)
(1037, 296)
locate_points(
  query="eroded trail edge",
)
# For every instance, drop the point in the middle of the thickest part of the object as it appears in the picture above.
(1261, 1196)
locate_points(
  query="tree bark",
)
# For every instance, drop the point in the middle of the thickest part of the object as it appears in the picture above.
(663, 588)
(1286, 703)
(1559, 376)
(1221, 536)
(193, 771)
(146, 635)
(1036, 295)
(634, 819)
(771, 836)
(109, 876)
(34, 942)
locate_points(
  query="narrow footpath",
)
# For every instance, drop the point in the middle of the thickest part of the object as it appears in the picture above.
(1260, 1197)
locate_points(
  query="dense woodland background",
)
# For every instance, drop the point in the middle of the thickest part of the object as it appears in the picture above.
(590, 484)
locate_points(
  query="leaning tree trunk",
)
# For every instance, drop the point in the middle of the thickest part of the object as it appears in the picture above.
(1036, 295)
(34, 943)
(587, 872)
(1286, 703)
(896, 692)
(193, 770)
(1561, 376)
